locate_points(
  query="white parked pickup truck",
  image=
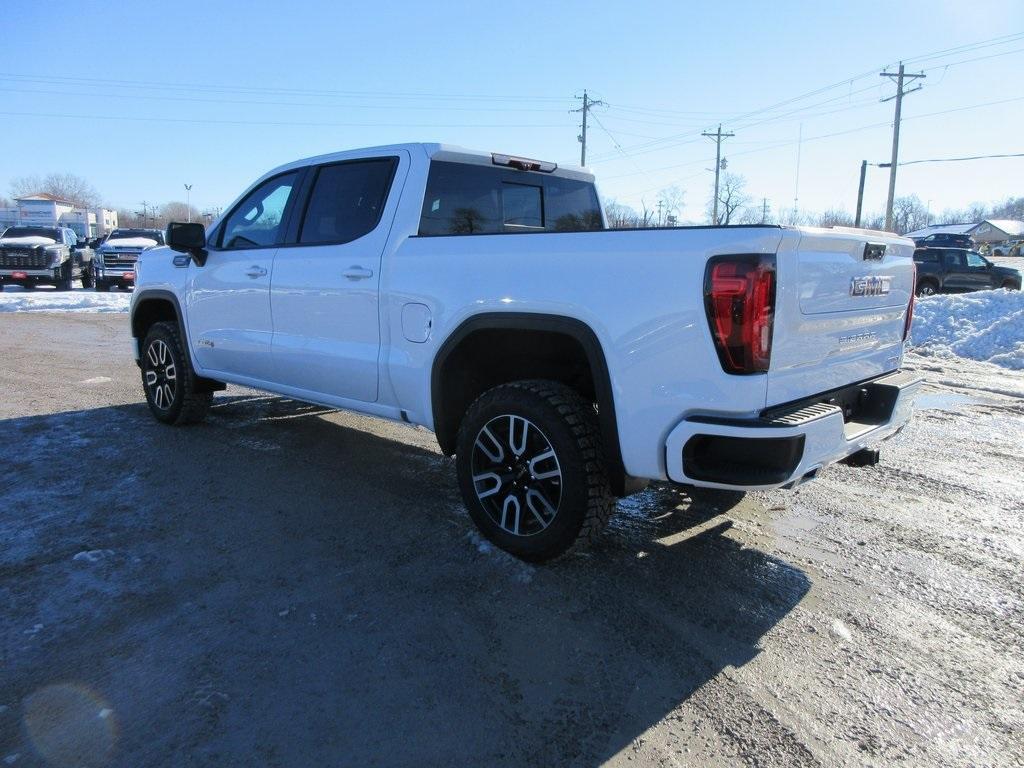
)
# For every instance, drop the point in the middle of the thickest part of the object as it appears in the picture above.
(481, 296)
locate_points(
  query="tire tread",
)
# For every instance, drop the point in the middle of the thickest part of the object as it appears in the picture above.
(195, 404)
(580, 417)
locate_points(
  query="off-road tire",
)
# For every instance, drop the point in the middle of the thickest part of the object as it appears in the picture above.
(569, 425)
(187, 404)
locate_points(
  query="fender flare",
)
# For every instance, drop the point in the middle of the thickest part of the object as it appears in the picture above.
(534, 321)
(156, 293)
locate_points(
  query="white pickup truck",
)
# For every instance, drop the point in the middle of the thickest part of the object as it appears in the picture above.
(481, 296)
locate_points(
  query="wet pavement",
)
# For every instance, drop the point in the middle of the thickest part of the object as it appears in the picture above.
(290, 586)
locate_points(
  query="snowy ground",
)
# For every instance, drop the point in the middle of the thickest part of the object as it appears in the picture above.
(986, 326)
(13, 298)
(285, 585)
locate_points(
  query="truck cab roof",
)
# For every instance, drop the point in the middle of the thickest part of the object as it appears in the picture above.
(437, 151)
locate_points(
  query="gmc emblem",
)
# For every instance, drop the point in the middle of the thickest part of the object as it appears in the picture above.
(870, 285)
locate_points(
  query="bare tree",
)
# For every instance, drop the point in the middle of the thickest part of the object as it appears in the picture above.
(177, 211)
(873, 221)
(732, 198)
(621, 216)
(646, 214)
(67, 186)
(1011, 208)
(835, 217)
(670, 202)
(908, 214)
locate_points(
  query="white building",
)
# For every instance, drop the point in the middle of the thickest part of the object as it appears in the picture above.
(996, 230)
(45, 210)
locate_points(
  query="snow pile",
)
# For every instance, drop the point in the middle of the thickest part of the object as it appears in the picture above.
(987, 326)
(29, 240)
(43, 300)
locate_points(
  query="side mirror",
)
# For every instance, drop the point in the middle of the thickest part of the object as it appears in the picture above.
(188, 238)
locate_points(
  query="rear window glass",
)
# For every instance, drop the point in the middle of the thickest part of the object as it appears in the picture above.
(522, 205)
(464, 199)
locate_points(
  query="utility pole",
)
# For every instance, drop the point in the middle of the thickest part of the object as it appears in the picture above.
(899, 76)
(764, 210)
(188, 203)
(661, 216)
(717, 136)
(145, 212)
(860, 192)
(588, 103)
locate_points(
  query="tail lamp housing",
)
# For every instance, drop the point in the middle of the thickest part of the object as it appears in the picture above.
(910, 306)
(739, 297)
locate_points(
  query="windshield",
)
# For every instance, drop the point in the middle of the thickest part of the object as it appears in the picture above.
(150, 234)
(52, 234)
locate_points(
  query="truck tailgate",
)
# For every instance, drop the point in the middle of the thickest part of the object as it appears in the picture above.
(841, 306)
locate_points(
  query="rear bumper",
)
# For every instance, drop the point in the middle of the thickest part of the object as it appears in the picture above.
(788, 445)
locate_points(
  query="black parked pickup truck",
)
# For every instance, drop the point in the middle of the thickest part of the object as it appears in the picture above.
(945, 240)
(31, 256)
(957, 270)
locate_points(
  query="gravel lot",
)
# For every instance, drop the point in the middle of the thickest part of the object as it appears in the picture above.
(288, 586)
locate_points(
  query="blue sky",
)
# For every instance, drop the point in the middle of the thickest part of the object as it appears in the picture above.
(145, 97)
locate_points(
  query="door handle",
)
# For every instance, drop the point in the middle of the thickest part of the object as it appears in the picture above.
(357, 273)
(256, 271)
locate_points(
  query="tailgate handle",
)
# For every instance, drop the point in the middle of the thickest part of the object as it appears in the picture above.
(874, 251)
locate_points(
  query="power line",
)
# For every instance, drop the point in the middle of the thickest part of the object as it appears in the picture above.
(265, 103)
(618, 146)
(844, 132)
(738, 120)
(163, 85)
(954, 159)
(213, 121)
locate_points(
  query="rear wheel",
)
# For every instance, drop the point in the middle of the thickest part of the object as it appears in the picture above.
(1010, 285)
(531, 469)
(927, 288)
(102, 286)
(168, 379)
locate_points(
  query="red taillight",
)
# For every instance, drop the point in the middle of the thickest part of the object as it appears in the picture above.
(739, 295)
(910, 306)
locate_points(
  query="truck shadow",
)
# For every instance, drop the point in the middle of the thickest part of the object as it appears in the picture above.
(288, 586)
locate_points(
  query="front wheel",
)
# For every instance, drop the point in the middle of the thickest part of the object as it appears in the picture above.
(531, 469)
(88, 280)
(1010, 286)
(168, 379)
(64, 280)
(101, 286)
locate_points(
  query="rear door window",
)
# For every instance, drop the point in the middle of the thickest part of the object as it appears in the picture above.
(466, 199)
(346, 201)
